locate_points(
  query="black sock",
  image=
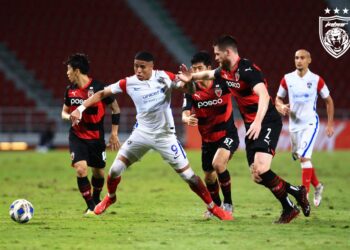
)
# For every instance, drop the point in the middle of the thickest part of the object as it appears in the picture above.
(213, 189)
(97, 184)
(277, 187)
(293, 190)
(225, 184)
(85, 190)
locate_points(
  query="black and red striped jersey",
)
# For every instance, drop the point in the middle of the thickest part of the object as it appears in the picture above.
(213, 109)
(241, 81)
(91, 125)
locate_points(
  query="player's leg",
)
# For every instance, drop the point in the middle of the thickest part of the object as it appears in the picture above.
(79, 156)
(224, 152)
(97, 161)
(173, 152)
(210, 176)
(131, 151)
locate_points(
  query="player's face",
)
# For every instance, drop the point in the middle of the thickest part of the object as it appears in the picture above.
(302, 60)
(221, 56)
(72, 74)
(198, 67)
(143, 69)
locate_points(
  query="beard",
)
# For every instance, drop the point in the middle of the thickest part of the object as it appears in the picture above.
(226, 65)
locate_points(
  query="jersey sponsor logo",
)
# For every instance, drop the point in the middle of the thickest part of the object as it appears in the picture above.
(231, 84)
(209, 103)
(334, 35)
(218, 91)
(76, 101)
(151, 94)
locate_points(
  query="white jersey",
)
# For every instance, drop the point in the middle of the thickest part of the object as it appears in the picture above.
(152, 100)
(302, 93)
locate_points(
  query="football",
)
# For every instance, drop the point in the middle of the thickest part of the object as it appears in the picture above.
(21, 211)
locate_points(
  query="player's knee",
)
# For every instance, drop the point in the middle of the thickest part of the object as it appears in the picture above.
(81, 169)
(219, 166)
(117, 168)
(188, 175)
(210, 177)
(255, 174)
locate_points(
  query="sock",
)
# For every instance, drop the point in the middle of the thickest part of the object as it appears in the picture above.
(314, 179)
(85, 190)
(97, 184)
(213, 188)
(293, 190)
(199, 188)
(306, 177)
(225, 184)
(112, 185)
(277, 187)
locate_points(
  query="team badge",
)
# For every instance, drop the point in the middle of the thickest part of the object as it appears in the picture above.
(309, 84)
(161, 80)
(90, 92)
(334, 32)
(218, 91)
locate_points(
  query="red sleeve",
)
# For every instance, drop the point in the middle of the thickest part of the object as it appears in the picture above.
(122, 85)
(320, 84)
(171, 75)
(284, 83)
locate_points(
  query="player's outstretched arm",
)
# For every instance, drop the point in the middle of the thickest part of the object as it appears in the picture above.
(186, 75)
(114, 142)
(330, 114)
(189, 119)
(98, 96)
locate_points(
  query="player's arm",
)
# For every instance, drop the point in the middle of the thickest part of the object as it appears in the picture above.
(95, 98)
(263, 104)
(330, 114)
(282, 108)
(65, 112)
(187, 117)
(187, 76)
(113, 139)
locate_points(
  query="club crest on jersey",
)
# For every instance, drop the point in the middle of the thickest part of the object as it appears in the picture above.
(90, 92)
(309, 84)
(161, 80)
(218, 91)
(334, 32)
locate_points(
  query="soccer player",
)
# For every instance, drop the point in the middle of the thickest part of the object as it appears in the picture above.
(262, 121)
(150, 91)
(210, 108)
(86, 140)
(303, 87)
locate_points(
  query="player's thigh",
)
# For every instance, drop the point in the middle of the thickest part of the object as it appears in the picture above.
(171, 151)
(97, 154)
(307, 141)
(266, 142)
(135, 147)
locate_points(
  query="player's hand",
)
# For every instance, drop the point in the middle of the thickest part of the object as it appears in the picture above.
(185, 74)
(75, 117)
(254, 130)
(283, 109)
(192, 120)
(330, 130)
(114, 142)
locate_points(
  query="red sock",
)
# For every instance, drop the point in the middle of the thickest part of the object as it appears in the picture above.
(306, 177)
(199, 188)
(112, 184)
(314, 179)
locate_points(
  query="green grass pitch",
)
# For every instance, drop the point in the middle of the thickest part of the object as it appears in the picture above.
(157, 210)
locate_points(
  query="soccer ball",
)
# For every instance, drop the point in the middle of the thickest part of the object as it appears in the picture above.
(21, 211)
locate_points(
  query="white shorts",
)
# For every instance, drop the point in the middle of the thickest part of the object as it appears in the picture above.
(303, 141)
(167, 145)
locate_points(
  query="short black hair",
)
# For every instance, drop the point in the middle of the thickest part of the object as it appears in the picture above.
(201, 56)
(225, 41)
(79, 61)
(144, 56)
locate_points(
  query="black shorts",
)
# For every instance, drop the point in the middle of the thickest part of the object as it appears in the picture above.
(266, 142)
(91, 151)
(229, 142)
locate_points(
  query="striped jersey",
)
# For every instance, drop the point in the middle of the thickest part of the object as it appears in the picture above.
(213, 109)
(302, 94)
(241, 81)
(91, 125)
